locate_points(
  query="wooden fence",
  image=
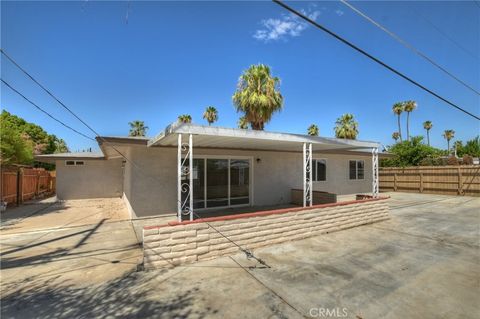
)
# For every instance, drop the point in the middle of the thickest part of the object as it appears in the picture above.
(21, 184)
(447, 180)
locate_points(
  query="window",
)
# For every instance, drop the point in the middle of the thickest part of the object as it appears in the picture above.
(356, 169)
(74, 163)
(319, 170)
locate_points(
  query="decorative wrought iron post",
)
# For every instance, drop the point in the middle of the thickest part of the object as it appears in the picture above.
(375, 181)
(307, 175)
(310, 171)
(184, 173)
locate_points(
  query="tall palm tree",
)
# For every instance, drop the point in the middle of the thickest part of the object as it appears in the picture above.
(185, 118)
(210, 114)
(313, 130)
(397, 109)
(409, 106)
(242, 123)
(257, 95)
(346, 127)
(448, 135)
(137, 128)
(395, 136)
(427, 125)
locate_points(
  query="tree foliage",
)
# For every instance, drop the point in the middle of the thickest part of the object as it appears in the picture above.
(398, 109)
(20, 140)
(313, 130)
(242, 123)
(137, 128)
(258, 96)
(448, 135)
(346, 127)
(185, 118)
(210, 114)
(411, 153)
(471, 147)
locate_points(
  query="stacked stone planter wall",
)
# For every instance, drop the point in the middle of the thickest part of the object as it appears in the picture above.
(178, 243)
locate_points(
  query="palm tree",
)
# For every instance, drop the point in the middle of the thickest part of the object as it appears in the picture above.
(242, 123)
(313, 130)
(448, 135)
(185, 118)
(395, 136)
(409, 106)
(397, 110)
(137, 128)
(427, 125)
(210, 114)
(346, 127)
(257, 95)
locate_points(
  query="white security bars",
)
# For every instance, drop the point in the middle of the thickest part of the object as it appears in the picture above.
(307, 175)
(184, 172)
(375, 185)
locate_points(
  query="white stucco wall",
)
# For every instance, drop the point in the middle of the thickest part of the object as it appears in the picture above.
(94, 179)
(152, 190)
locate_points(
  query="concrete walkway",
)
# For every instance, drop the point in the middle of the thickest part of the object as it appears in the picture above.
(423, 263)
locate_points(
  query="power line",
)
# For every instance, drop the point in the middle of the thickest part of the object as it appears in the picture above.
(368, 55)
(45, 112)
(446, 36)
(407, 45)
(48, 92)
(247, 252)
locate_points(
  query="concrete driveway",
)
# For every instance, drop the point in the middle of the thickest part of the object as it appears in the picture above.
(67, 243)
(423, 263)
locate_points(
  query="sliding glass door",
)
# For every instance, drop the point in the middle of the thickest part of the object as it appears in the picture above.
(239, 182)
(217, 182)
(221, 182)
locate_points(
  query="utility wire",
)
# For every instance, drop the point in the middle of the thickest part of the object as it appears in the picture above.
(368, 55)
(446, 36)
(407, 45)
(48, 92)
(45, 112)
(247, 252)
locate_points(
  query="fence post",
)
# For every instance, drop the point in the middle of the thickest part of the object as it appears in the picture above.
(460, 181)
(395, 182)
(20, 186)
(421, 182)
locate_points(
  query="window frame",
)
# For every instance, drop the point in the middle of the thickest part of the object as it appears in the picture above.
(356, 169)
(314, 179)
(74, 163)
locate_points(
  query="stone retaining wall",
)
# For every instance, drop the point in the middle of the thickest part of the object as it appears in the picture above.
(177, 243)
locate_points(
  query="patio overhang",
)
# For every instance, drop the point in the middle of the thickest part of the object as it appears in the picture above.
(230, 138)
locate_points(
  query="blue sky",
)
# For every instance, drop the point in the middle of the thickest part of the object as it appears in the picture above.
(174, 58)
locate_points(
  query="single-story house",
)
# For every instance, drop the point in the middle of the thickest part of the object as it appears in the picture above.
(191, 168)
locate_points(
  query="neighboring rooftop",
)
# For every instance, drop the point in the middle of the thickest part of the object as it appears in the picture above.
(50, 158)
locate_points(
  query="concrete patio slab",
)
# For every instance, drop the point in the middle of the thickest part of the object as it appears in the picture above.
(422, 263)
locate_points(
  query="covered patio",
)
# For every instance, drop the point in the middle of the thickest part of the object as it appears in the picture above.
(211, 186)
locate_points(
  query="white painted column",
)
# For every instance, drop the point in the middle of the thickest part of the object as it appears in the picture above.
(375, 180)
(304, 175)
(310, 177)
(190, 147)
(179, 178)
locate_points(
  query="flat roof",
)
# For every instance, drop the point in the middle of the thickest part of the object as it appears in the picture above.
(49, 158)
(233, 138)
